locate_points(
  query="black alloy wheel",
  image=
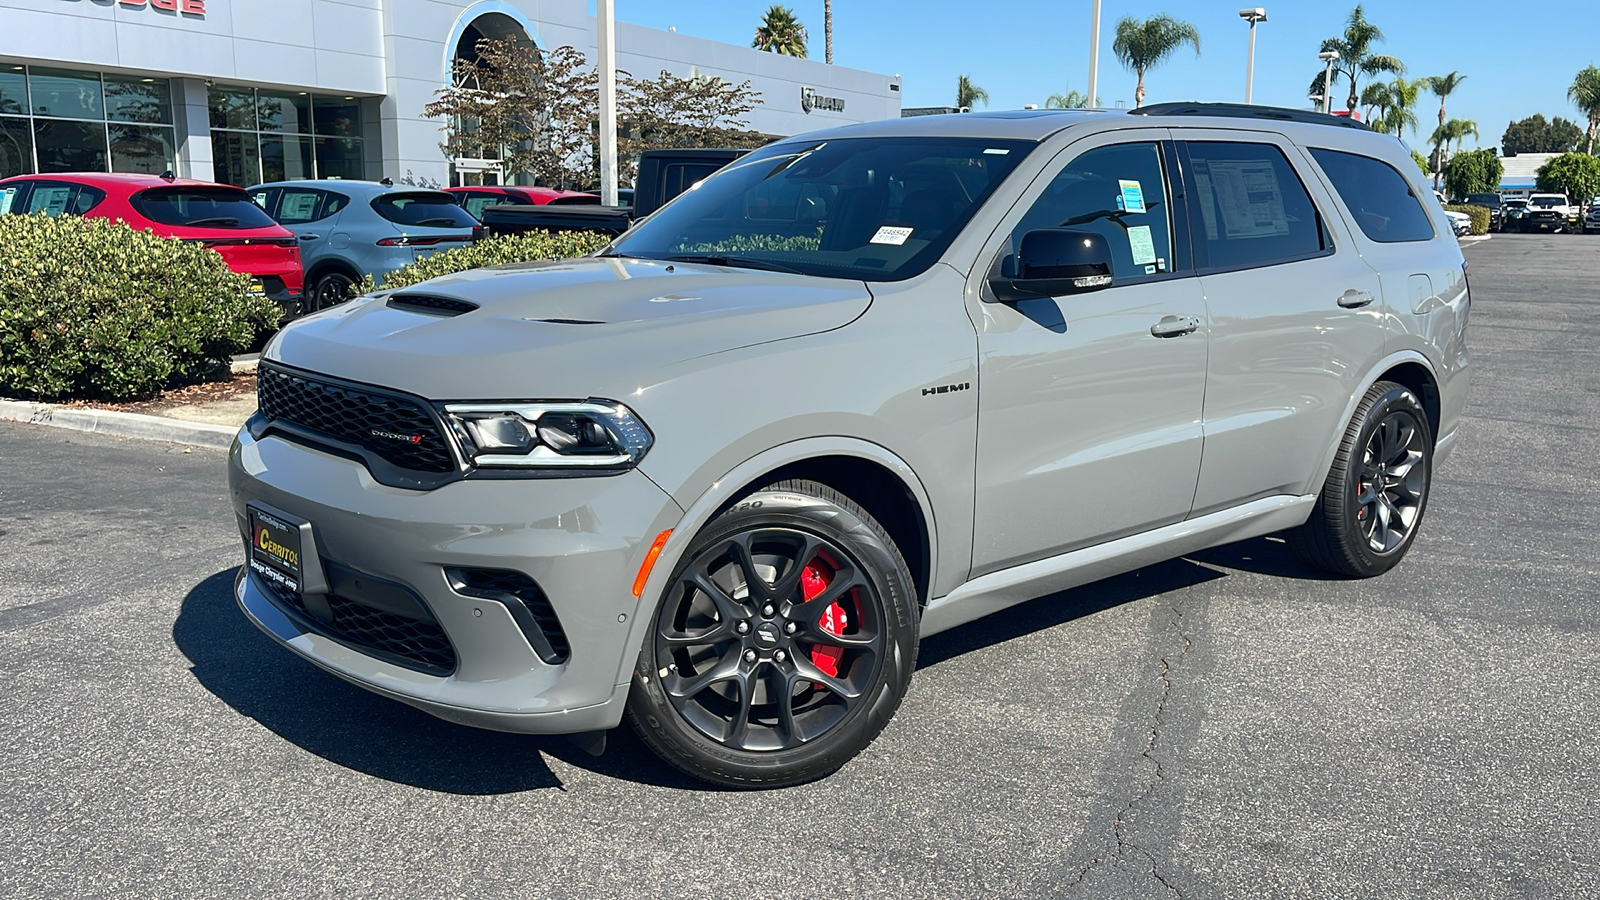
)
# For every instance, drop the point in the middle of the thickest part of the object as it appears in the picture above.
(783, 644)
(332, 289)
(1372, 503)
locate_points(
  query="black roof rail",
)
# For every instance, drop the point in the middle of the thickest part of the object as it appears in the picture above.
(1242, 111)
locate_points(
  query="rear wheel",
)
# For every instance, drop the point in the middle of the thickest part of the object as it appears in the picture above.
(784, 644)
(332, 289)
(1372, 503)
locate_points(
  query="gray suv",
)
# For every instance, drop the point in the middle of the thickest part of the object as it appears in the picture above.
(859, 387)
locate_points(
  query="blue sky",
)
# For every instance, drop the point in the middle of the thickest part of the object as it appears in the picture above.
(1023, 50)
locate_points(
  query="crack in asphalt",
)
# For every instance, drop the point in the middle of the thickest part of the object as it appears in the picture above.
(1119, 822)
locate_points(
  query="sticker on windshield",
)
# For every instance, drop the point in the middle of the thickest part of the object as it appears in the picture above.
(893, 235)
(1132, 196)
(1143, 246)
(996, 151)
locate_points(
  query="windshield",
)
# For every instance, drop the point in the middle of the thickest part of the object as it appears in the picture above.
(1548, 202)
(202, 207)
(1484, 199)
(423, 209)
(874, 209)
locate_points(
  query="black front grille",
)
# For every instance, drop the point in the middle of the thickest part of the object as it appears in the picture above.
(438, 306)
(415, 644)
(395, 428)
(528, 605)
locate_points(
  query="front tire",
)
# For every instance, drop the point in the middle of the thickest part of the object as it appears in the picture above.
(784, 643)
(1372, 503)
(331, 290)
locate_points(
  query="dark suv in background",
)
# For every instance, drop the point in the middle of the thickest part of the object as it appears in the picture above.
(1491, 202)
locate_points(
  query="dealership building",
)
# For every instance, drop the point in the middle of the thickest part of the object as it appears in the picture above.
(246, 91)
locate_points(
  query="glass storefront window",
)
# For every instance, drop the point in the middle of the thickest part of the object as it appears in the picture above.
(285, 158)
(338, 116)
(61, 94)
(232, 108)
(13, 90)
(340, 158)
(70, 146)
(16, 147)
(130, 98)
(236, 157)
(146, 149)
(290, 113)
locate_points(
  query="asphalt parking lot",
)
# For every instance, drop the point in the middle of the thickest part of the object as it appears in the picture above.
(1230, 725)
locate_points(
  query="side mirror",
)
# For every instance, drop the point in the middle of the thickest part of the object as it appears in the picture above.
(1052, 262)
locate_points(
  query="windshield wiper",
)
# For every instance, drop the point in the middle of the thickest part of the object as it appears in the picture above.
(224, 221)
(733, 262)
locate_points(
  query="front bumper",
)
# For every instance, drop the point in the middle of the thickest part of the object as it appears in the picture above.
(581, 539)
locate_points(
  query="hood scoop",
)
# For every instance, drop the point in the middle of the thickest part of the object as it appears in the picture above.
(429, 305)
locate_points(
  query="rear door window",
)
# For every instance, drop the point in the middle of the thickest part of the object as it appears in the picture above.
(201, 207)
(423, 209)
(1380, 198)
(1250, 207)
(299, 206)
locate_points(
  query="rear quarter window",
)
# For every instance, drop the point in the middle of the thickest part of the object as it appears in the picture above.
(1378, 196)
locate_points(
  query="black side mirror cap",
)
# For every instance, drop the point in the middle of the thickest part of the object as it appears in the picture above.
(1052, 262)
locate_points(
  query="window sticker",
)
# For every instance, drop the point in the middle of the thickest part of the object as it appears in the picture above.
(1149, 270)
(1132, 196)
(892, 235)
(996, 151)
(6, 196)
(1143, 247)
(1249, 197)
(298, 205)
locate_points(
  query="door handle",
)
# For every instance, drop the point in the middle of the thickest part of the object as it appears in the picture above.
(1354, 299)
(1175, 326)
(309, 237)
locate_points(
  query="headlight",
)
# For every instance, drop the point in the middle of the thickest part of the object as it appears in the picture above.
(594, 434)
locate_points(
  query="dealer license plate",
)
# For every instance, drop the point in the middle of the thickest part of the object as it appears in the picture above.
(275, 550)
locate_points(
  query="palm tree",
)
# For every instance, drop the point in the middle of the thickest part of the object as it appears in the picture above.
(1141, 46)
(1070, 100)
(968, 94)
(827, 30)
(1443, 86)
(1455, 130)
(780, 32)
(1374, 97)
(1585, 92)
(1355, 53)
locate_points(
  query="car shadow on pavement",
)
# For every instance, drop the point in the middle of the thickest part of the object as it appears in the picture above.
(371, 734)
(1060, 608)
(1264, 556)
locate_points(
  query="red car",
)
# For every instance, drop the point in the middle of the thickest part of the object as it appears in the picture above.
(474, 198)
(220, 216)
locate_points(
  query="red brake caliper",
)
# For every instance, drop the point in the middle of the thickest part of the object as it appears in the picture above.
(813, 581)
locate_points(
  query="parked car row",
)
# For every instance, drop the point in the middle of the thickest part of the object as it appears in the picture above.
(1537, 213)
(305, 244)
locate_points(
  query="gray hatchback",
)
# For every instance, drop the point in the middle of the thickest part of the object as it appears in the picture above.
(857, 388)
(351, 229)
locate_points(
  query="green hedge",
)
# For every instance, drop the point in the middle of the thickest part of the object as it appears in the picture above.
(493, 251)
(91, 309)
(1479, 214)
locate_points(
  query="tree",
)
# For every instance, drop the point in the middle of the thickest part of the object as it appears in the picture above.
(1454, 130)
(1575, 174)
(533, 111)
(780, 32)
(1473, 172)
(1585, 93)
(968, 94)
(1443, 86)
(1070, 100)
(1355, 53)
(1420, 160)
(1535, 135)
(668, 111)
(1396, 105)
(827, 30)
(1143, 45)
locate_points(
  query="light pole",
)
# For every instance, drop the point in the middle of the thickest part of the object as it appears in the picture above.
(1252, 16)
(606, 26)
(1329, 57)
(1094, 55)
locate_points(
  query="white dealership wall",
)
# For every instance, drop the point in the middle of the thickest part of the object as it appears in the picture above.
(396, 53)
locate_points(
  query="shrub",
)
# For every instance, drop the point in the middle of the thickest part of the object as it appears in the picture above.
(493, 251)
(1473, 172)
(1575, 174)
(92, 309)
(1479, 214)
